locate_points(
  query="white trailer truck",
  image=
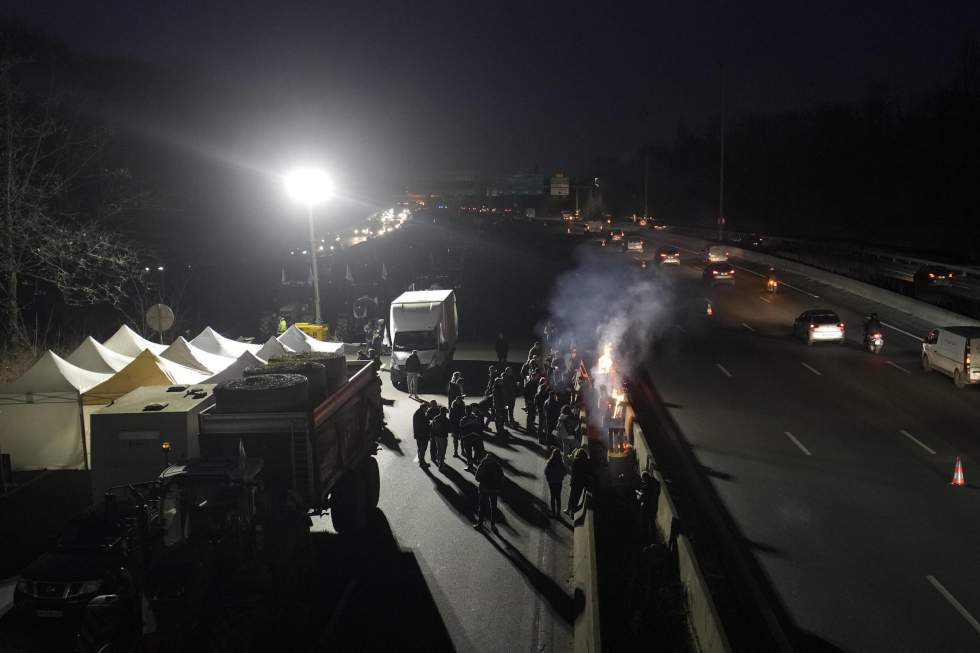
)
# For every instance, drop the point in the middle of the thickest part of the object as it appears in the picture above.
(424, 321)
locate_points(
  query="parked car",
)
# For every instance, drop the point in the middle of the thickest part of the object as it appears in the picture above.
(819, 325)
(950, 350)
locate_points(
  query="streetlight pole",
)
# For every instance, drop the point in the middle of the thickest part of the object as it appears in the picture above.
(316, 273)
(721, 164)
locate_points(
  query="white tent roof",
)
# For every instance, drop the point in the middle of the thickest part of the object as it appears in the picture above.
(127, 342)
(297, 340)
(273, 348)
(51, 373)
(188, 355)
(236, 369)
(93, 355)
(214, 343)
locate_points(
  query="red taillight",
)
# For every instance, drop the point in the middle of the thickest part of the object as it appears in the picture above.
(812, 326)
(714, 272)
(663, 256)
(932, 276)
(840, 324)
(731, 272)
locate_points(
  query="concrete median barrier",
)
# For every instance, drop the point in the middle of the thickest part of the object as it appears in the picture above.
(588, 636)
(703, 615)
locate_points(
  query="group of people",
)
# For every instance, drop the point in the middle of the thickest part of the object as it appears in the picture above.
(549, 385)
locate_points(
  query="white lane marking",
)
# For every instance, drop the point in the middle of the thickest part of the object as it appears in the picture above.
(811, 368)
(916, 440)
(723, 370)
(765, 299)
(797, 443)
(906, 333)
(970, 619)
(781, 283)
(747, 326)
(898, 367)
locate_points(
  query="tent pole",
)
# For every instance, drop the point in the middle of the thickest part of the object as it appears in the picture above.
(81, 419)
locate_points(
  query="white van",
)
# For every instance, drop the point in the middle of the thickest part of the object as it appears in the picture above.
(424, 321)
(950, 350)
(715, 254)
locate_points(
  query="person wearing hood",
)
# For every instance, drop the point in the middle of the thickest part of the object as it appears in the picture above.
(420, 426)
(455, 387)
(490, 476)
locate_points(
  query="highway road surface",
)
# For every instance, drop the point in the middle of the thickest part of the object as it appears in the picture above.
(834, 463)
(504, 591)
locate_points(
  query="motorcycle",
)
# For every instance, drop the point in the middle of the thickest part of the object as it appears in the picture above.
(771, 285)
(874, 342)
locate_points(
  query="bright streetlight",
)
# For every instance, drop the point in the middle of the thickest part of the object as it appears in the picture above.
(310, 186)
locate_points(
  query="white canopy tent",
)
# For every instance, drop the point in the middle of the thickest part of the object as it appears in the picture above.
(188, 355)
(297, 340)
(237, 369)
(41, 416)
(272, 349)
(127, 342)
(214, 343)
(96, 357)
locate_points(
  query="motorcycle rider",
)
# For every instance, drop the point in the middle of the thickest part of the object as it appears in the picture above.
(771, 279)
(872, 325)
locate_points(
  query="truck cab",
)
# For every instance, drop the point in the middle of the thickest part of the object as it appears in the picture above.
(426, 322)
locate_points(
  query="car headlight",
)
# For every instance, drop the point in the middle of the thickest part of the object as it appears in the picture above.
(85, 587)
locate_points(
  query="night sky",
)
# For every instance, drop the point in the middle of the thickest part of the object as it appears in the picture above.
(495, 86)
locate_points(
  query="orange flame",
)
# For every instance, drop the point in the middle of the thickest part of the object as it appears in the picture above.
(605, 362)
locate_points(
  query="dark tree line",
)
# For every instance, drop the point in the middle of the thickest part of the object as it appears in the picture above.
(901, 173)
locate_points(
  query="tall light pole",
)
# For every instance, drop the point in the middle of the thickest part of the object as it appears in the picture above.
(721, 163)
(310, 186)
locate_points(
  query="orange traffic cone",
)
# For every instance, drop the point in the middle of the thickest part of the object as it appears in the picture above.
(709, 312)
(958, 478)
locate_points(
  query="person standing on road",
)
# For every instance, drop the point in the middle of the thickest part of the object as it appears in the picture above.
(499, 396)
(491, 377)
(490, 476)
(457, 411)
(552, 410)
(413, 368)
(510, 395)
(534, 353)
(420, 428)
(554, 473)
(471, 430)
(455, 387)
(439, 429)
(501, 346)
(539, 400)
(580, 478)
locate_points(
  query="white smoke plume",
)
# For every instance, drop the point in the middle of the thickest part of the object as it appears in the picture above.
(611, 299)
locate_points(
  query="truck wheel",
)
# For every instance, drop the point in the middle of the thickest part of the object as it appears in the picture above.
(372, 482)
(348, 504)
(958, 380)
(926, 365)
(261, 394)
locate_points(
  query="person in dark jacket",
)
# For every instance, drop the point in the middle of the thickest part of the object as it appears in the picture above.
(413, 369)
(539, 399)
(552, 409)
(501, 347)
(457, 411)
(648, 495)
(510, 394)
(499, 396)
(420, 427)
(455, 387)
(491, 377)
(490, 476)
(471, 434)
(580, 479)
(554, 473)
(439, 432)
